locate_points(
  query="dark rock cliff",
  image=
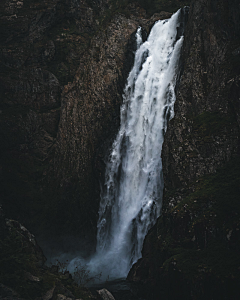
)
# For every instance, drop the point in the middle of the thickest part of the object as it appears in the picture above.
(41, 44)
(63, 65)
(23, 274)
(63, 68)
(193, 250)
(90, 118)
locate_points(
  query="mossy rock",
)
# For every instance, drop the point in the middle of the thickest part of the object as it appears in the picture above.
(22, 269)
(200, 235)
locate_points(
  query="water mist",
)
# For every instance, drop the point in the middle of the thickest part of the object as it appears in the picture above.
(132, 195)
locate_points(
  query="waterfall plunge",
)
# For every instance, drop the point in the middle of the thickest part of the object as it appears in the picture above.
(132, 195)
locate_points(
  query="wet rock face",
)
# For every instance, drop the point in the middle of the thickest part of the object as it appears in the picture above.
(201, 168)
(204, 133)
(89, 116)
(64, 64)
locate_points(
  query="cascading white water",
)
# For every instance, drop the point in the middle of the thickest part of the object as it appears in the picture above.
(131, 198)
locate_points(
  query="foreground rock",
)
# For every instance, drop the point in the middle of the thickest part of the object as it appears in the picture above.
(23, 274)
(105, 294)
(8, 294)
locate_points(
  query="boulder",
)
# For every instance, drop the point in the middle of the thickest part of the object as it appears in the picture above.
(105, 294)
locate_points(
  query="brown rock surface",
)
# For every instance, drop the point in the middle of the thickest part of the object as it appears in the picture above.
(90, 115)
(193, 249)
(63, 68)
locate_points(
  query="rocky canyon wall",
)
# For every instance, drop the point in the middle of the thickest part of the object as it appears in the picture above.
(192, 251)
(64, 64)
(41, 46)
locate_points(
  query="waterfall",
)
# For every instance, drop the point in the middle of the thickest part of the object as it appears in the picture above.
(132, 194)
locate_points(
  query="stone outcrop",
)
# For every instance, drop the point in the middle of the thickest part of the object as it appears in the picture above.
(192, 250)
(105, 294)
(8, 294)
(23, 274)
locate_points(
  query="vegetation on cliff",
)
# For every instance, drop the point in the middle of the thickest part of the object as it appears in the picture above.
(193, 249)
(195, 243)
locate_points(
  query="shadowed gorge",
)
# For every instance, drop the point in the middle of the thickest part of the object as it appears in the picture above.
(63, 68)
(195, 244)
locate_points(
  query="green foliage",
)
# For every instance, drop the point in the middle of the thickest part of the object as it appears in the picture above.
(216, 260)
(211, 123)
(82, 275)
(214, 207)
(216, 194)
